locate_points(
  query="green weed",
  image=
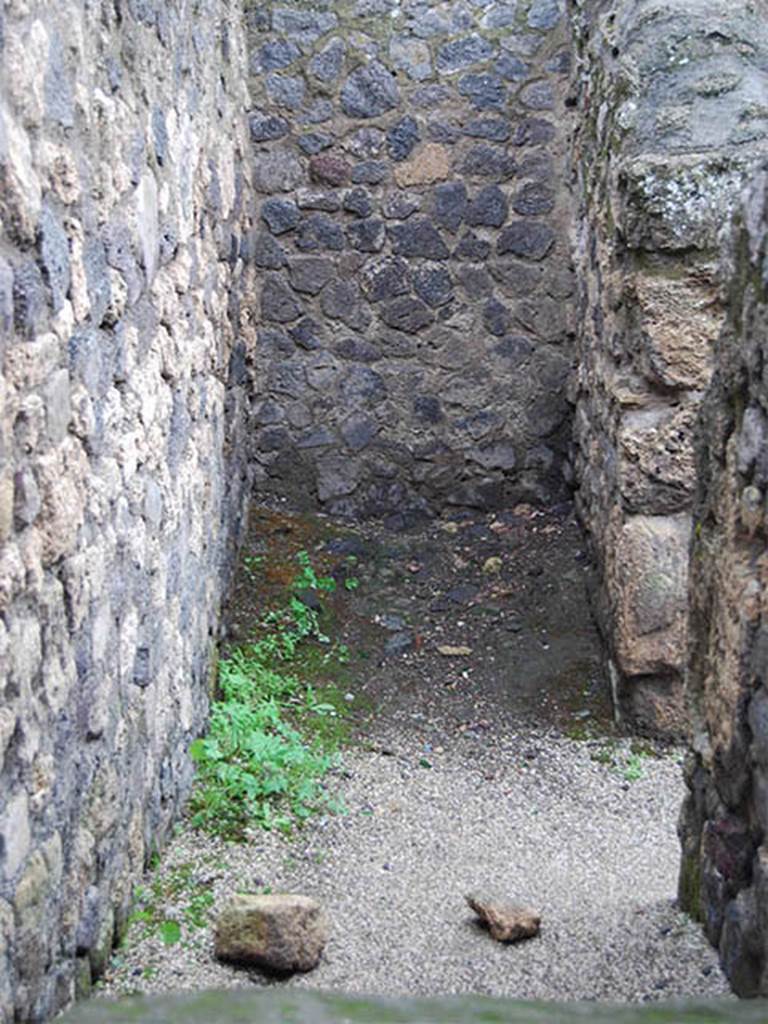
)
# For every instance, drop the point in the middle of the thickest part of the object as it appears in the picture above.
(267, 751)
(191, 901)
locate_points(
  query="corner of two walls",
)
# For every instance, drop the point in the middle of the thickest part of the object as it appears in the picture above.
(416, 328)
(122, 472)
(672, 121)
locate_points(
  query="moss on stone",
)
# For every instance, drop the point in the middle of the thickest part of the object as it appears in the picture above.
(689, 886)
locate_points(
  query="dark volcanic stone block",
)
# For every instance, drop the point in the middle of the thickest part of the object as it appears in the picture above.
(370, 172)
(278, 54)
(359, 202)
(310, 274)
(449, 203)
(319, 232)
(278, 303)
(328, 63)
(329, 170)
(533, 131)
(472, 248)
(342, 301)
(512, 68)
(496, 317)
(433, 285)
(495, 129)
(267, 253)
(280, 215)
(371, 90)
(402, 137)
(531, 239)
(489, 162)
(418, 238)
(533, 199)
(463, 53)
(386, 279)
(407, 314)
(489, 208)
(366, 235)
(484, 92)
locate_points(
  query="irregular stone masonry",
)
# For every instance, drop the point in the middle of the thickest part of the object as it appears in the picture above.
(354, 285)
(122, 459)
(674, 118)
(724, 822)
(415, 310)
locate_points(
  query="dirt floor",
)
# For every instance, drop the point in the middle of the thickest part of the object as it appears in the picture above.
(506, 593)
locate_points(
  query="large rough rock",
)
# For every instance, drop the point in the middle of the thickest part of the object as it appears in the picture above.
(506, 921)
(279, 932)
(724, 821)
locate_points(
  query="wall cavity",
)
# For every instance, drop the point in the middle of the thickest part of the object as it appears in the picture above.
(122, 478)
(724, 822)
(672, 119)
(415, 307)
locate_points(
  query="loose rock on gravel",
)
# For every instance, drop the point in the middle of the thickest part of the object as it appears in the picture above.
(281, 932)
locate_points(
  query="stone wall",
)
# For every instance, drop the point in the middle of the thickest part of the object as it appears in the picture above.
(416, 328)
(724, 822)
(672, 117)
(124, 226)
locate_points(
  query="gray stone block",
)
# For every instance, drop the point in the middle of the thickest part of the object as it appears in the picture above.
(534, 199)
(370, 172)
(30, 300)
(277, 54)
(489, 208)
(328, 63)
(418, 237)
(463, 53)
(318, 232)
(359, 202)
(278, 303)
(402, 137)
(266, 253)
(370, 91)
(54, 256)
(285, 90)
(433, 284)
(449, 204)
(489, 162)
(267, 127)
(385, 279)
(407, 314)
(528, 239)
(280, 215)
(366, 235)
(484, 91)
(310, 274)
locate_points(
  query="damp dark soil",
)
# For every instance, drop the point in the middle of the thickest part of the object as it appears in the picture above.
(465, 624)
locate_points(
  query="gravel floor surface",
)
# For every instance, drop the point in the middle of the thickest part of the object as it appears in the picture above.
(533, 818)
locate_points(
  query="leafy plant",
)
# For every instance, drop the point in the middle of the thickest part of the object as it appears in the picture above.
(633, 769)
(169, 932)
(177, 900)
(307, 579)
(265, 756)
